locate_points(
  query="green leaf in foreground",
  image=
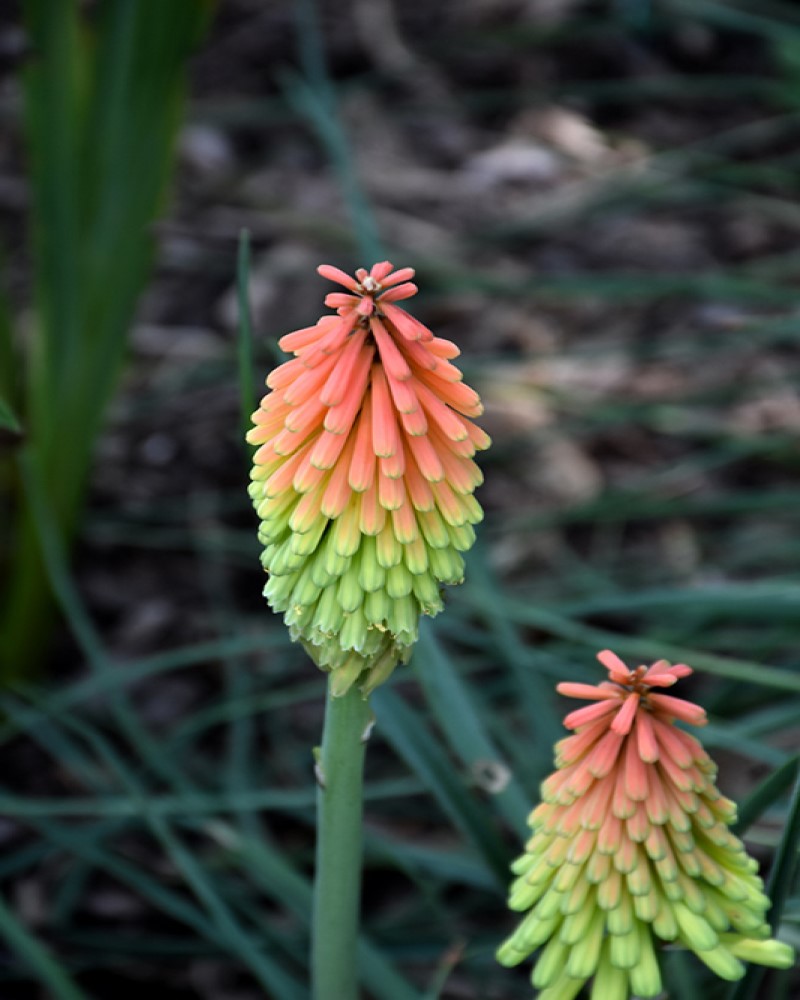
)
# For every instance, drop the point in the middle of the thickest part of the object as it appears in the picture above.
(50, 973)
(460, 716)
(247, 396)
(8, 420)
(407, 732)
(779, 886)
(768, 792)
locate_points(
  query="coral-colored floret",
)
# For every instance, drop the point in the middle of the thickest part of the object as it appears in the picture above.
(365, 475)
(631, 845)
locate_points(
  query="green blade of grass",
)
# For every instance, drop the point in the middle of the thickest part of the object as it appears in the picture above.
(9, 367)
(134, 671)
(771, 719)
(45, 731)
(719, 734)
(314, 99)
(444, 864)
(238, 940)
(455, 709)
(784, 866)
(764, 600)
(765, 794)
(283, 883)
(640, 506)
(737, 18)
(779, 886)
(55, 563)
(55, 88)
(80, 622)
(286, 800)
(317, 110)
(269, 974)
(81, 844)
(487, 599)
(682, 980)
(18, 861)
(98, 945)
(40, 960)
(103, 95)
(244, 705)
(247, 396)
(8, 419)
(733, 669)
(407, 733)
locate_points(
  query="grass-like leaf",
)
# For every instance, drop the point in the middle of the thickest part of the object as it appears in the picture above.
(486, 597)
(733, 669)
(41, 961)
(313, 97)
(460, 715)
(765, 794)
(779, 888)
(8, 419)
(247, 396)
(280, 881)
(237, 939)
(407, 732)
(103, 99)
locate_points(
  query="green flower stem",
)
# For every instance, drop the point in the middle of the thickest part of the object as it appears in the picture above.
(337, 886)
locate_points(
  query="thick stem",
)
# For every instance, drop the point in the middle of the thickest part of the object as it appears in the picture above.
(337, 886)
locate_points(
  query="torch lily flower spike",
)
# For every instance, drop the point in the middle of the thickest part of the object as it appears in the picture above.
(364, 477)
(631, 845)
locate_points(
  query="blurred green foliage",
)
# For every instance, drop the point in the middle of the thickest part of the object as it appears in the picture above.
(104, 93)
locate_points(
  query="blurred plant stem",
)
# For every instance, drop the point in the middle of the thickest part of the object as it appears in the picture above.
(337, 885)
(103, 93)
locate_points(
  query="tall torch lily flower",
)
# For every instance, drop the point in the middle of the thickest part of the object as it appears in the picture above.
(363, 481)
(631, 845)
(364, 477)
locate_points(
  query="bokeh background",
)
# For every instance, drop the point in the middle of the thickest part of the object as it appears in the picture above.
(601, 203)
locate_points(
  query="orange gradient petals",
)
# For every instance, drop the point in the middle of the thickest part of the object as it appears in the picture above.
(364, 477)
(631, 846)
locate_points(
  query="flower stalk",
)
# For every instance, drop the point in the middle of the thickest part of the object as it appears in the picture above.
(363, 481)
(337, 887)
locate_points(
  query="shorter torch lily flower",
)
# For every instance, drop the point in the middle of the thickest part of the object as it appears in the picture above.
(364, 477)
(631, 845)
